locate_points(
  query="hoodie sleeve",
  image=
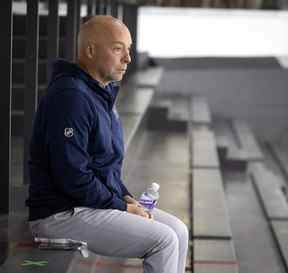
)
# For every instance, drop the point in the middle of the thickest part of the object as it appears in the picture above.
(124, 189)
(70, 119)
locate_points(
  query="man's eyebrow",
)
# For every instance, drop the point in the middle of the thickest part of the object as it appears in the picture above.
(121, 43)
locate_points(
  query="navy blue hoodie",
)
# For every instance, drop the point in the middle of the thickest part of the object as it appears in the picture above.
(76, 149)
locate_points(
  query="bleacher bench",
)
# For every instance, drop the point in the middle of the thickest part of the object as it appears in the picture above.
(247, 140)
(280, 152)
(204, 151)
(274, 204)
(213, 248)
(149, 77)
(210, 214)
(231, 154)
(214, 256)
(200, 111)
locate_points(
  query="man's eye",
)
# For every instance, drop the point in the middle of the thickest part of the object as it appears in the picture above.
(117, 49)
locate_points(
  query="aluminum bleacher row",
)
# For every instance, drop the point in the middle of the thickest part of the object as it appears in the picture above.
(213, 248)
(216, 145)
(271, 190)
(239, 149)
(212, 242)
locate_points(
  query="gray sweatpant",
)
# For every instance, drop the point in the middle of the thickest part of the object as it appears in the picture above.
(162, 242)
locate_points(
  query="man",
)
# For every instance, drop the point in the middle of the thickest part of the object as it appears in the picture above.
(77, 149)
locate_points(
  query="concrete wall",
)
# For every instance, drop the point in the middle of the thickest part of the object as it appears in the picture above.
(258, 96)
(172, 32)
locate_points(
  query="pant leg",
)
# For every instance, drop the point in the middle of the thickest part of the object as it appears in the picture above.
(182, 233)
(116, 233)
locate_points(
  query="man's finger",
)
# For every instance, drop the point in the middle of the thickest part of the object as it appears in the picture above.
(150, 215)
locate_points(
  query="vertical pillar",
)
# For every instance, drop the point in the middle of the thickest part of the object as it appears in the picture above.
(78, 19)
(108, 7)
(72, 23)
(130, 16)
(98, 7)
(120, 12)
(31, 76)
(104, 7)
(114, 8)
(91, 8)
(53, 34)
(5, 103)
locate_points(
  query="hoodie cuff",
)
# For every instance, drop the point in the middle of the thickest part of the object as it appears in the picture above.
(119, 204)
(124, 190)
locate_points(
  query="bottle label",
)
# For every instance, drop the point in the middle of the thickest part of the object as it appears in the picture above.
(148, 204)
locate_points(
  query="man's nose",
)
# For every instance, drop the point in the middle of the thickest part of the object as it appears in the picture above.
(127, 58)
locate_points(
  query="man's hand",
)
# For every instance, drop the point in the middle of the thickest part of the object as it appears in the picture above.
(136, 207)
(132, 208)
(130, 200)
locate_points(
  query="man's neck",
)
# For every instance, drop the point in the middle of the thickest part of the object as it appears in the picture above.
(93, 75)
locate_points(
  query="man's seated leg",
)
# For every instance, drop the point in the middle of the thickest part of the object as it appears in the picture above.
(182, 233)
(118, 234)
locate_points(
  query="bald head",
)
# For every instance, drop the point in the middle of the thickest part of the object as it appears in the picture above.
(99, 29)
(103, 48)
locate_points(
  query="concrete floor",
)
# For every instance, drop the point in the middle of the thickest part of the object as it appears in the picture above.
(254, 244)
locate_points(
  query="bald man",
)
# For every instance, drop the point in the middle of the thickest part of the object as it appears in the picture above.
(76, 156)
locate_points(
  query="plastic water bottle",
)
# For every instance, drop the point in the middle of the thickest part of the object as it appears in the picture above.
(150, 197)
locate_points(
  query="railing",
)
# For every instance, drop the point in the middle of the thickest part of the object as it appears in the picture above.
(5, 102)
(125, 11)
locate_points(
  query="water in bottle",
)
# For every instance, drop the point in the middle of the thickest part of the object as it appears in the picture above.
(150, 197)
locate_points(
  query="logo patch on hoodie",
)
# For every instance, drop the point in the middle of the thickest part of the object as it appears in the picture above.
(68, 132)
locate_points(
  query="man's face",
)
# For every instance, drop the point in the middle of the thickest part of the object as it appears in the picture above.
(112, 55)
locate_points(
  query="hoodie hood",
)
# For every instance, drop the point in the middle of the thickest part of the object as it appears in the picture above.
(62, 68)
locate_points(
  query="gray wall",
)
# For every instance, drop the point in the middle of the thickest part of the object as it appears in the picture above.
(259, 96)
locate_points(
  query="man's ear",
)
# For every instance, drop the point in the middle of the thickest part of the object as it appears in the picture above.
(90, 51)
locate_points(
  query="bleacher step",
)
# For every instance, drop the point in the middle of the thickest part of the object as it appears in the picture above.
(200, 111)
(270, 193)
(231, 155)
(210, 213)
(169, 112)
(65, 261)
(54, 261)
(134, 101)
(163, 158)
(214, 256)
(280, 231)
(204, 151)
(247, 140)
(208, 268)
(130, 123)
(149, 77)
(132, 106)
(179, 109)
(280, 152)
